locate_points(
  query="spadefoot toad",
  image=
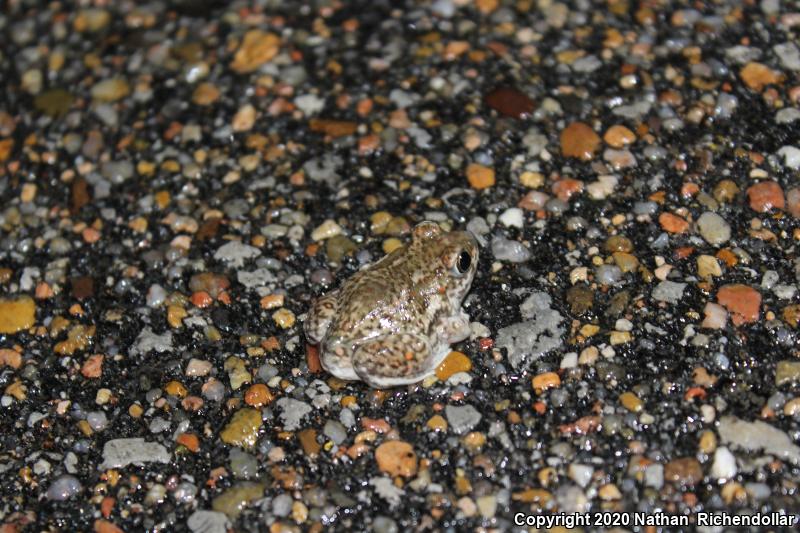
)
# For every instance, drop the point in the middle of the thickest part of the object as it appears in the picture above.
(392, 323)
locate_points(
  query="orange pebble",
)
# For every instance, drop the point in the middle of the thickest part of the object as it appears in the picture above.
(202, 299)
(190, 441)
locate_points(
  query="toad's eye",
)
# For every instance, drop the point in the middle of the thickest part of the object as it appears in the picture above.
(463, 263)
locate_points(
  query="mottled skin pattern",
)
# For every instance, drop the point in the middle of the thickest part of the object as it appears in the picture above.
(392, 323)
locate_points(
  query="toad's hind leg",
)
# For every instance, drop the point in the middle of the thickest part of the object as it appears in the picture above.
(319, 317)
(391, 360)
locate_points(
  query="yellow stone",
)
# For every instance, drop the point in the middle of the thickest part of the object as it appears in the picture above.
(17, 314)
(85, 428)
(379, 221)
(257, 48)
(242, 430)
(175, 315)
(453, 363)
(708, 266)
(608, 492)
(391, 244)
(474, 440)
(17, 390)
(619, 337)
(176, 388)
(792, 407)
(479, 176)
(135, 410)
(589, 330)
(545, 381)
(162, 199)
(78, 338)
(625, 261)
(437, 423)
(631, 402)
(532, 180)
(708, 442)
(284, 318)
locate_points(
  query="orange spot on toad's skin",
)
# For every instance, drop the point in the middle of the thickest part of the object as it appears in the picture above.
(409, 356)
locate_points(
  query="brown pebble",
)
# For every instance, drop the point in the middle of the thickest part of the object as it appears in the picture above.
(685, 471)
(510, 102)
(308, 441)
(82, 287)
(618, 136)
(333, 128)
(757, 75)
(396, 458)
(257, 48)
(79, 195)
(579, 140)
(208, 229)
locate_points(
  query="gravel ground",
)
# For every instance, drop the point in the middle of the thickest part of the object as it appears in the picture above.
(178, 181)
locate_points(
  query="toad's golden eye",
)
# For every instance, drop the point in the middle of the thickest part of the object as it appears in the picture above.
(464, 262)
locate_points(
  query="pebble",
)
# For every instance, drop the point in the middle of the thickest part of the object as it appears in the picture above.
(236, 498)
(742, 302)
(509, 250)
(580, 141)
(235, 253)
(110, 90)
(329, 228)
(510, 102)
(713, 228)
(512, 217)
(257, 48)
(292, 412)
(618, 136)
(119, 453)
(580, 474)
(787, 371)
(673, 223)
(202, 521)
(685, 471)
(335, 431)
(757, 76)
(758, 436)
(454, 362)
(64, 488)
(790, 155)
(669, 291)
(765, 196)
(715, 316)
(17, 314)
(242, 429)
(462, 418)
(724, 465)
(479, 176)
(793, 202)
(396, 458)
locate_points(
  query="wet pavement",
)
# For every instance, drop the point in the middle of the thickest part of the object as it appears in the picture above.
(179, 180)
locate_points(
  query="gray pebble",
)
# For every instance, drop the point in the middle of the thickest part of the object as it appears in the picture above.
(335, 431)
(63, 488)
(508, 250)
(462, 418)
(713, 228)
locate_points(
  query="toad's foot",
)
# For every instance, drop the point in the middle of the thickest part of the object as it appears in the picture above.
(397, 359)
